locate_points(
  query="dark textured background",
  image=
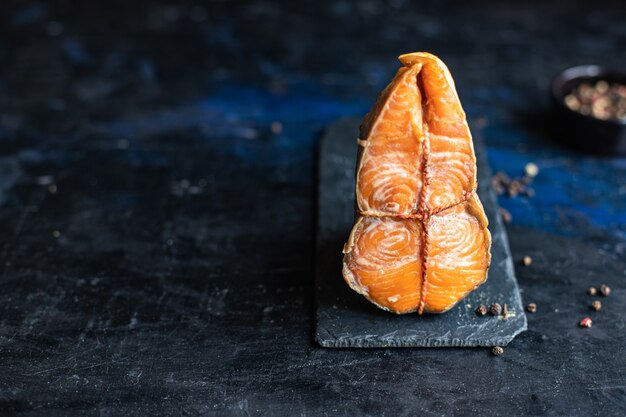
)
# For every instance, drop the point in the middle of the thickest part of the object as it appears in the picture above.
(157, 234)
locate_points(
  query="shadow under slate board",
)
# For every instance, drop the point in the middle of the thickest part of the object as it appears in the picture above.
(346, 319)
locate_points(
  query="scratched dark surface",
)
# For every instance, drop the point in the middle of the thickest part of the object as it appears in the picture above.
(157, 232)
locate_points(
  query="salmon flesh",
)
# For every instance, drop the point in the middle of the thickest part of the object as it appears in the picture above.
(420, 240)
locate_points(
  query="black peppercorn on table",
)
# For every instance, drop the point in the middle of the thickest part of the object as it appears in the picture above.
(157, 207)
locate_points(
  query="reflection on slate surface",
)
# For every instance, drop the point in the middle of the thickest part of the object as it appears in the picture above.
(346, 319)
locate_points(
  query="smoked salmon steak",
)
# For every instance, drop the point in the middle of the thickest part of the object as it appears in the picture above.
(420, 241)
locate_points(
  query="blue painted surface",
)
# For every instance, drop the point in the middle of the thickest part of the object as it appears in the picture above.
(576, 195)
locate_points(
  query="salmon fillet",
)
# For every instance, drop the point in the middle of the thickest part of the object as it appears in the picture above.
(420, 240)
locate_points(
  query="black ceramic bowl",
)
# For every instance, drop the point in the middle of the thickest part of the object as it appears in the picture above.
(585, 132)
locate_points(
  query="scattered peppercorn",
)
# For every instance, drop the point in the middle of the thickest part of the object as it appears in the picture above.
(527, 260)
(601, 100)
(276, 127)
(499, 182)
(527, 180)
(505, 313)
(605, 290)
(531, 308)
(497, 350)
(481, 310)
(481, 122)
(586, 322)
(502, 183)
(592, 291)
(596, 305)
(514, 188)
(506, 215)
(531, 169)
(495, 309)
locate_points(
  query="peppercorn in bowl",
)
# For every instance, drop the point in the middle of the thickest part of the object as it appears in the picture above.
(589, 109)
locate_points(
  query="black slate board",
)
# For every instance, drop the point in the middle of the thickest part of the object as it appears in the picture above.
(346, 319)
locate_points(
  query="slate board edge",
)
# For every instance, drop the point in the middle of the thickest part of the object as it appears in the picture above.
(328, 340)
(485, 172)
